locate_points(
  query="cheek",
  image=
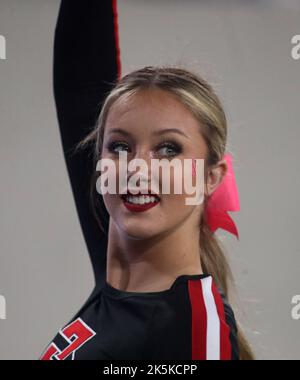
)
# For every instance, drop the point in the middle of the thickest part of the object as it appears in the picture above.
(184, 181)
(186, 202)
(193, 168)
(112, 203)
(176, 212)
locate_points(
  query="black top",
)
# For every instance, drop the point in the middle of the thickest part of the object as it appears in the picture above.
(189, 321)
(192, 319)
(86, 66)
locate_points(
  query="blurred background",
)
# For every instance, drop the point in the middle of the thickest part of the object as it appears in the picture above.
(243, 48)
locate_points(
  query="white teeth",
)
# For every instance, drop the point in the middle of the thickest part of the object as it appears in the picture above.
(141, 199)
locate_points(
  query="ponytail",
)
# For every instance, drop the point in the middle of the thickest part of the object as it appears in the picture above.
(214, 262)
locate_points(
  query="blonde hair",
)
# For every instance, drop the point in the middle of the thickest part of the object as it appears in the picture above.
(199, 97)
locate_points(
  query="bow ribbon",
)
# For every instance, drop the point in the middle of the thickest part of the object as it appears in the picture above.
(225, 198)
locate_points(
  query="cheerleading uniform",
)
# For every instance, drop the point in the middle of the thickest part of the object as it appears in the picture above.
(190, 320)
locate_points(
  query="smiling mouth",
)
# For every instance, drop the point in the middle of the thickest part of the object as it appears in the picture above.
(140, 199)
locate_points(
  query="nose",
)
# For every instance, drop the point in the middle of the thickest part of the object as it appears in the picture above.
(140, 165)
(139, 172)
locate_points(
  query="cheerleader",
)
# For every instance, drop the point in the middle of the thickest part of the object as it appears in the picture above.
(161, 278)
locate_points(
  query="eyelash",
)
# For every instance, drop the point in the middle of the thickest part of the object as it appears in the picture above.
(164, 144)
(173, 145)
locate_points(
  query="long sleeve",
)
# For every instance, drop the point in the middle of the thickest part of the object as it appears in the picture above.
(86, 64)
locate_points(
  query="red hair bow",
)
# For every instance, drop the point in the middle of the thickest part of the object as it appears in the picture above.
(224, 198)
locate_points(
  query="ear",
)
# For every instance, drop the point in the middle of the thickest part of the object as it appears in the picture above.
(215, 176)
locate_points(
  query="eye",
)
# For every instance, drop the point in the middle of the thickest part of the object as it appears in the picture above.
(169, 149)
(116, 146)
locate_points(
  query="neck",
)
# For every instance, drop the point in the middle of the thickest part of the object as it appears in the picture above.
(151, 264)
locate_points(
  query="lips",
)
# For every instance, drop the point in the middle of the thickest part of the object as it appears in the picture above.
(123, 196)
(137, 207)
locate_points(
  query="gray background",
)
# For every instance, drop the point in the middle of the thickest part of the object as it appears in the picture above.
(243, 48)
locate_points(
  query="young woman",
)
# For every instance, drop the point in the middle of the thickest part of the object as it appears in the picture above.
(161, 277)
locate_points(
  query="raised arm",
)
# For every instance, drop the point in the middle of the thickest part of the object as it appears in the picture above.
(86, 63)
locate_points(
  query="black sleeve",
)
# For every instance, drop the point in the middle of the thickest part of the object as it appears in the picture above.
(86, 65)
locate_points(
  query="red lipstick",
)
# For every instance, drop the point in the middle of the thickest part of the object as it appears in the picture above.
(139, 207)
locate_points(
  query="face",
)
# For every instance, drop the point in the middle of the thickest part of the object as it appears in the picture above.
(138, 125)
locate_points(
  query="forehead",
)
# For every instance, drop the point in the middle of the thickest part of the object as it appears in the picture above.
(149, 110)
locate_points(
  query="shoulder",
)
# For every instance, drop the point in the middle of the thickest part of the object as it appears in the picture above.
(213, 316)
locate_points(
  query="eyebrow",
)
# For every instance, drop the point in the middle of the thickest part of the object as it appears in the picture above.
(157, 133)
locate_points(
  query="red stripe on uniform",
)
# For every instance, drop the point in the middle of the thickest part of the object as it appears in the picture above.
(225, 344)
(199, 320)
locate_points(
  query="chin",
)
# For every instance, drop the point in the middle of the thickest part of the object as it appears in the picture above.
(140, 231)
